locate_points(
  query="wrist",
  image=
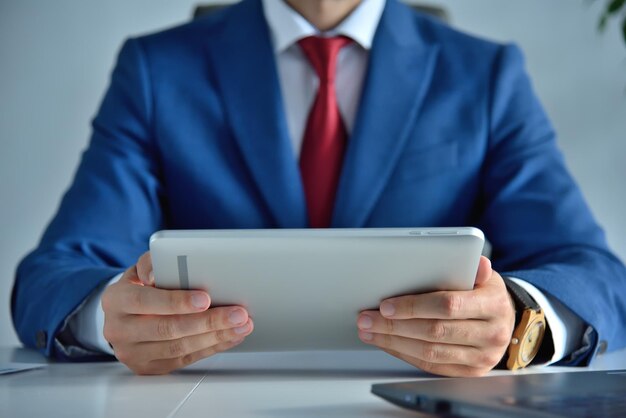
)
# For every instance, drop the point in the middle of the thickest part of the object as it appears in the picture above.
(529, 331)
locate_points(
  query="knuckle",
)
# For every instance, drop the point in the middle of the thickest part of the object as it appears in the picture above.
(166, 328)
(177, 348)
(211, 321)
(413, 309)
(220, 336)
(175, 302)
(446, 354)
(186, 360)
(500, 337)
(389, 326)
(388, 341)
(452, 304)
(382, 340)
(488, 360)
(437, 331)
(464, 333)
(430, 353)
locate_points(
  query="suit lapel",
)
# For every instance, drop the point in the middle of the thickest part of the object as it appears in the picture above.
(245, 70)
(400, 69)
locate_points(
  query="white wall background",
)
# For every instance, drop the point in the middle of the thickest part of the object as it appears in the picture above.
(55, 60)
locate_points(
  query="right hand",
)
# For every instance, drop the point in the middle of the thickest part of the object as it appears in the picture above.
(156, 331)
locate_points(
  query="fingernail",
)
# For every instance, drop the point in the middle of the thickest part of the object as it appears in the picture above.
(387, 309)
(242, 329)
(151, 278)
(236, 316)
(365, 322)
(367, 336)
(238, 341)
(200, 300)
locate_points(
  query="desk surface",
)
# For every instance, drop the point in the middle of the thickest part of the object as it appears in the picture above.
(311, 384)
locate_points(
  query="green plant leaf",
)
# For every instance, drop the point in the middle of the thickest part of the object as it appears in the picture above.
(613, 9)
(615, 6)
(602, 23)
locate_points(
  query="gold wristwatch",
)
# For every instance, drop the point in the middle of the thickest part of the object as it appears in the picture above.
(530, 327)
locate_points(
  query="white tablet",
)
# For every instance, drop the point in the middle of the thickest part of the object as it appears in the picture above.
(305, 287)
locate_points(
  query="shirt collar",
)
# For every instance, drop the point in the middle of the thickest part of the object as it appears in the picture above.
(288, 27)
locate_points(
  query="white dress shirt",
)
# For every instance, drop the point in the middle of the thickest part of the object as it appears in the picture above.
(298, 83)
(298, 79)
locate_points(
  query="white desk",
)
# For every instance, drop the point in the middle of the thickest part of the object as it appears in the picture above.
(230, 385)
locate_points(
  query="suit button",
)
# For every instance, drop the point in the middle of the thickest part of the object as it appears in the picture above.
(602, 346)
(41, 339)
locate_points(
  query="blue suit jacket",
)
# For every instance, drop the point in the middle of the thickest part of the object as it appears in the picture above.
(192, 134)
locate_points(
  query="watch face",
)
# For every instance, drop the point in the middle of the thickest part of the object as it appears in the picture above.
(531, 342)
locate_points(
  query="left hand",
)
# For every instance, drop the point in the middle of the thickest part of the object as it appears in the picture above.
(451, 333)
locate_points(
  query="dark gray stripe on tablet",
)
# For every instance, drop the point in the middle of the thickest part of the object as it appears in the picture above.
(183, 273)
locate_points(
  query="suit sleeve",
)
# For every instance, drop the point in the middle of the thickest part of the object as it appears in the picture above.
(534, 214)
(105, 219)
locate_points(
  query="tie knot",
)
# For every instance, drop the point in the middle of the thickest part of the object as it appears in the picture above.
(322, 54)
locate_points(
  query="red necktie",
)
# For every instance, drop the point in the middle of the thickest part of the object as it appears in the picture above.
(325, 135)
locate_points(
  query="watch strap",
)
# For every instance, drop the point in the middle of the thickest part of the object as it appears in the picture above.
(520, 297)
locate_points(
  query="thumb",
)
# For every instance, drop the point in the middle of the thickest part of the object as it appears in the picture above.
(484, 271)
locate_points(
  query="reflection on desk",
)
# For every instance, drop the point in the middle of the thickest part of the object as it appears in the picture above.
(305, 384)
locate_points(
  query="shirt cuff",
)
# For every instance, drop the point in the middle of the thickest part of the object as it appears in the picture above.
(566, 327)
(87, 323)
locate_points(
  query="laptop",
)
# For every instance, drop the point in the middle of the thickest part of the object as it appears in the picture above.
(547, 395)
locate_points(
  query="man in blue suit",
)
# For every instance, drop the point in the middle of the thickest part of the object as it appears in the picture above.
(213, 124)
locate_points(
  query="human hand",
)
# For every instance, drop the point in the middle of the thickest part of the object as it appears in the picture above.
(451, 333)
(155, 331)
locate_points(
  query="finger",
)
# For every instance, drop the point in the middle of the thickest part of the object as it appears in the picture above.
(110, 302)
(471, 304)
(471, 332)
(140, 328)
(169, 365)
(130, 276)
(132, 299)
(183, 346)
(451, 370)
(144, 269)
(484, 271)
(432, 352)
